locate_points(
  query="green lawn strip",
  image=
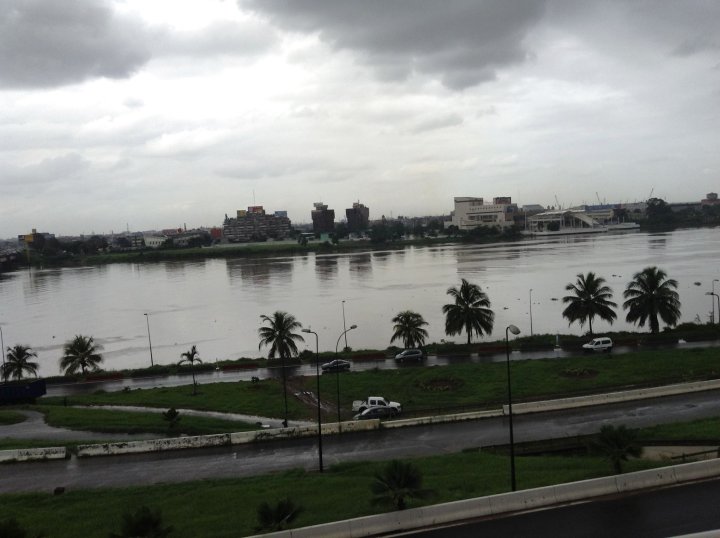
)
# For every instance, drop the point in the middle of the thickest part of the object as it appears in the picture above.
(114, 421)
(259, 399)
(11, 417)
(706, 429)
(432, 389)
(227, 508)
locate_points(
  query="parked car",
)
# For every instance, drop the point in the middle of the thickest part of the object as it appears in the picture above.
(599, 344)
(374, 401)
(338, 365)
(410, 355)
(376, 412)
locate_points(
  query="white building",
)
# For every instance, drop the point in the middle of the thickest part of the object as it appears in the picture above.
(154, 241)
(473, 212)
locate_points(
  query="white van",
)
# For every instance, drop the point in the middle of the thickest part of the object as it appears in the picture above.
(599, 344)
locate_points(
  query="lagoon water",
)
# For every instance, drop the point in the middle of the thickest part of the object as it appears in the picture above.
(216, 304)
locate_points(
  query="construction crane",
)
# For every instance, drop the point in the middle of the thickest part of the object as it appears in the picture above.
(558, 203)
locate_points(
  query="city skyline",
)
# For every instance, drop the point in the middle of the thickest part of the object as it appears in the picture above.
(128, 113)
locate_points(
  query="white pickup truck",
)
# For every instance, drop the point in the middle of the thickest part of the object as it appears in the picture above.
(374, 401)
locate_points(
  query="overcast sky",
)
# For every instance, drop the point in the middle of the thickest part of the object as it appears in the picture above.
(152, 114)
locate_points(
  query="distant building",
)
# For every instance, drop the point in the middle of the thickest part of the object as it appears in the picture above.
(473, 212)
(323, 219)
(358, 217)
(255, 225)
(34, 239)
(710, 199)
(154, 241)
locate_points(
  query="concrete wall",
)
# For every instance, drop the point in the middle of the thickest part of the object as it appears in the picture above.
(613, 397)
(447, 513)
(33, 454)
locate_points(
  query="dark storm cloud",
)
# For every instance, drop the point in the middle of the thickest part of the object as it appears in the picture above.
(44, 44)
(461, 42)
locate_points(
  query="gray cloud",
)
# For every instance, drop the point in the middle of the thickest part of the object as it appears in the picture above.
(461, 42)
(439, 122)
(55, 170)
(231, 38)
(45, 44)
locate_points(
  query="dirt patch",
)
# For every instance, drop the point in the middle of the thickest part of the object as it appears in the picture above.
(579, 373)
(440, 384)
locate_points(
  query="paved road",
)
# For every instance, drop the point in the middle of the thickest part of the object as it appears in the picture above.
(309, 369)
(658, 513)
(245, 460)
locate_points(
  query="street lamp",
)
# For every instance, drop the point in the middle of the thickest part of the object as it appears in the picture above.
(337, 371)
(2, 346)
(317, 375)
(713, 302)
(718, 301)
(344, 329)
(147, 318)
(513, 329)
(531, 331)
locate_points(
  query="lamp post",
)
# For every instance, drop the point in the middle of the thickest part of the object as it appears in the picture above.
(337, 371)
(531, 331)
(513, 329)
(718, 301)
(713, 302)
(147, 318)
(344, 329)
(317, 375)
(2, 346)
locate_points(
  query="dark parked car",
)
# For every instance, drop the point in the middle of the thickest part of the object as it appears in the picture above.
(410, 355)
(376, 412)
(338, 365)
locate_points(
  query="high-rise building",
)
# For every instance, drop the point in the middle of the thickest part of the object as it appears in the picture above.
(255, 225)
(358, 217)
(323, 219)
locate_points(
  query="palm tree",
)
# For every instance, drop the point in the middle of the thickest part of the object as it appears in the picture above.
(144, 522)
(80, 353)
(279, 336)
(617, 445)
(398, 481)
(191, 357)
(275, 517)
(471, 311)
(591, 298)
(409, 328)
(18, 362)
(651, 294)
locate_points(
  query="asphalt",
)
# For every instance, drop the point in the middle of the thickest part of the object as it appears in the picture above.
(260, 458)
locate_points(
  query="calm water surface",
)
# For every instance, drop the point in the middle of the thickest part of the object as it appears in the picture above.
(216, 304)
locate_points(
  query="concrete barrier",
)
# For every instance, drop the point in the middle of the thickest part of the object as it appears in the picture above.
(613, 397)
(457, 417)
(33, 454)
(153, 445)
(455, 512)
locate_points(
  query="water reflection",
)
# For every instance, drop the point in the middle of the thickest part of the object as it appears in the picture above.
(326, 267)
(360, 264)
(259, 271)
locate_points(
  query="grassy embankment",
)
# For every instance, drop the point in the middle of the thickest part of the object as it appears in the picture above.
(422, 389)
(227, 508)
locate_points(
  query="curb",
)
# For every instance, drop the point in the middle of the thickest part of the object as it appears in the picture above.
(505, 503)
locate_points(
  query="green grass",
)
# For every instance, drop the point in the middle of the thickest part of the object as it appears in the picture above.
(227, 508)
(707, 429)
(112, 421)
(429, 389)
(11, 417)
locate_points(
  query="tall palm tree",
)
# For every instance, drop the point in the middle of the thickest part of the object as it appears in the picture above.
(279, 336)
(399, 480)
(191, 357)
(651, 294)
(80, 353)
(18, 362)
(409, 328)
(591, 298)
(617, 444)
(470, 313)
